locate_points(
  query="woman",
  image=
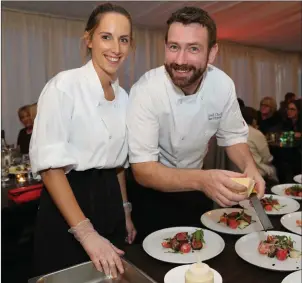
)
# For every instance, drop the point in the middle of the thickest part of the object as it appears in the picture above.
(293, 121)
(258, 146)
(79, 147)
(268, 118)
(24, 134)
(289, 97)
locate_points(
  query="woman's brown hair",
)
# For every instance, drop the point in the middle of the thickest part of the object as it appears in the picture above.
(95, 17)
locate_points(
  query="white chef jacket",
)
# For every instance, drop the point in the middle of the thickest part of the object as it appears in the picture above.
(76, 127)
(167, 126)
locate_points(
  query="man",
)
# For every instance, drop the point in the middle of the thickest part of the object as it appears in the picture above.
(174, 110)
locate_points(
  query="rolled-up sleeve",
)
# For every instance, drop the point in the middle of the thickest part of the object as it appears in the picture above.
(143, 127)
(232, 128)
(49, 146)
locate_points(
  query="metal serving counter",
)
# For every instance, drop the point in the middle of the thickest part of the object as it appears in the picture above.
(87, 273)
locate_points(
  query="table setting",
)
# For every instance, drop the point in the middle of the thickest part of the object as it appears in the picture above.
(17, 182)
(232, 245)
(243, 257)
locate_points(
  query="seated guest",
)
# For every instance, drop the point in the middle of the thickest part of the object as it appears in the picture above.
(24, 134)
(268, 119)
(258, 146)
(293, 120)
(289, 97)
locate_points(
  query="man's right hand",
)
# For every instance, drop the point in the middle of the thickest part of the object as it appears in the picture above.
(218, 186)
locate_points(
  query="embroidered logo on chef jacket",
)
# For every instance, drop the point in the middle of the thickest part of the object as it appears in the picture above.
(214, 116)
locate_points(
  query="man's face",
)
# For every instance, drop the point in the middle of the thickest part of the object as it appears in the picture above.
(187, 54)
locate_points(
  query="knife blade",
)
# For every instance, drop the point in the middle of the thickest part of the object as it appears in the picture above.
(265, 221)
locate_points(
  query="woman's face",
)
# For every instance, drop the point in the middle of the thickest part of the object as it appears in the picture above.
(265, 108)
(110, 43)
(25, 119)
(292, 111)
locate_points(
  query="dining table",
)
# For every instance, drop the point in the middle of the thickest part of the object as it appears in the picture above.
(13, 184)
(231, 267)
(287, 158)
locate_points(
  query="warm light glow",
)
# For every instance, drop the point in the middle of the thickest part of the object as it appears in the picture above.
(20, 179)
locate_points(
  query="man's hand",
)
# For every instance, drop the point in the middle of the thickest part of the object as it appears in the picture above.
(217, 185)
(259, 182)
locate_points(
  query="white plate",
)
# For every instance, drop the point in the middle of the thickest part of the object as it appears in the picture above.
(247, 248)
(298, 178)
(177, 275)
(280, 190)
(289, 222)
(213, 246)
(295, 277)
(210, 220)
(291, 205)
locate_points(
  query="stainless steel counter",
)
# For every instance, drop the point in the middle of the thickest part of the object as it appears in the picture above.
(87, 273)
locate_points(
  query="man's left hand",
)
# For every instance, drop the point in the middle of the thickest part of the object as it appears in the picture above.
(259, 181)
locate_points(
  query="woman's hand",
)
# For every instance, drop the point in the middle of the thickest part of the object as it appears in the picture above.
(104, 255)
(131, 231)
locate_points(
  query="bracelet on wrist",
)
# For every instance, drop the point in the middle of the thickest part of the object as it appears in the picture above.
(127, 206)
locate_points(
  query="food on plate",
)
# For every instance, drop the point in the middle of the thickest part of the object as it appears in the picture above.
(295, 191)
(236, 219)
(299, 223)
(280, 247)
(184, 243)
(270, 203)
(199, 273)
(247, 182)
(19, 169)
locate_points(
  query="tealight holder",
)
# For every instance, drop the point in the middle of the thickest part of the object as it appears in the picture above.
(20, 178)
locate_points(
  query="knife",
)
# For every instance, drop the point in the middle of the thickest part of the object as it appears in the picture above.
(265, 221)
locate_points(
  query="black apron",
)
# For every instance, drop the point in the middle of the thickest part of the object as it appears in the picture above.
(99, 196)
(155, 210)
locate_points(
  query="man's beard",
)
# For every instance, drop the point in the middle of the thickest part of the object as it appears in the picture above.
(183, 82)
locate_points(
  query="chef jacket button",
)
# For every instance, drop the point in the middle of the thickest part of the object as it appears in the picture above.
(110, 137)
(182, 138)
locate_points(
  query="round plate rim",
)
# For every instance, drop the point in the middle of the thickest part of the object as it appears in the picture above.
(254, 233)
(287, 215)
(284, 195)
(228, 208)
(187, 265)
(184, 228)
(278, 196)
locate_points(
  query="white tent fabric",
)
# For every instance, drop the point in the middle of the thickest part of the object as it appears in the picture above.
(36, 47)
(273, 24)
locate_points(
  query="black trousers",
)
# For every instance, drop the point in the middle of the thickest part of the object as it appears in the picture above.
(99, 196)
(154, 210)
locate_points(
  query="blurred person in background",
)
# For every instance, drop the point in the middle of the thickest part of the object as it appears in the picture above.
(259, 146)
(289, 97)
(268, 119)
(293, 120)
(24, 135)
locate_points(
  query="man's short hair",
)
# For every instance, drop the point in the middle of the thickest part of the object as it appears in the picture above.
(192, 15)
